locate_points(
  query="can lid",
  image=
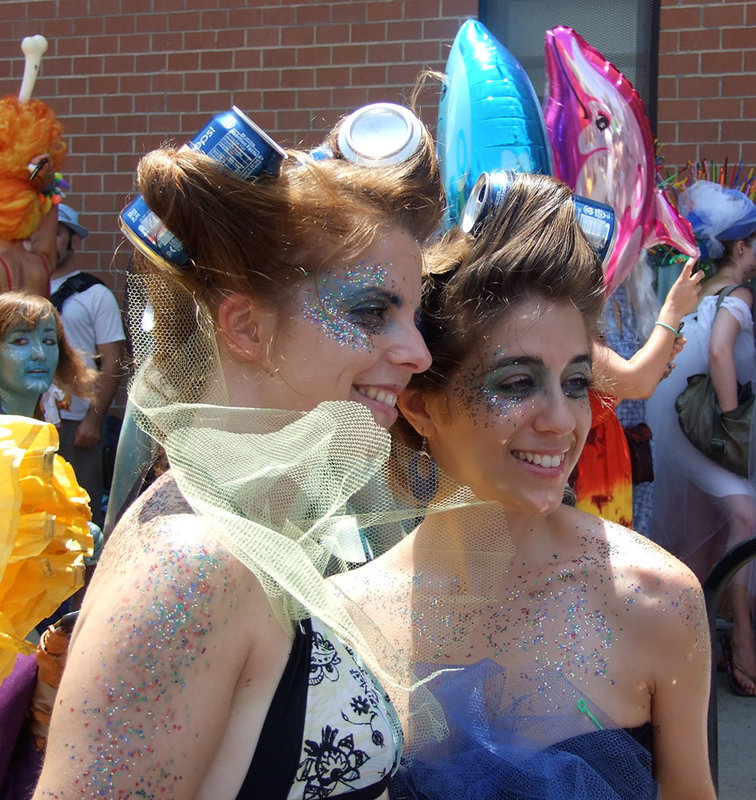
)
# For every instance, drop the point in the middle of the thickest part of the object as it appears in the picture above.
(479, 203)
(380, 134)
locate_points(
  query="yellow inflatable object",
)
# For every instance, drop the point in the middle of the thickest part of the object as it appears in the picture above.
(44, 536)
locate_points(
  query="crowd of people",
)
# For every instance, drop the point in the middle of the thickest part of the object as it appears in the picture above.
(360, 572)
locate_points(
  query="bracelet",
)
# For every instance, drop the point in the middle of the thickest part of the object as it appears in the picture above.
(668, 327)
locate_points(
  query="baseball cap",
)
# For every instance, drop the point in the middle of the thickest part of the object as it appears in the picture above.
(70, 219)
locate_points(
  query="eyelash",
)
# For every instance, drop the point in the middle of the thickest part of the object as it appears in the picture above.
(577, 386)
(520, 386)
(370, 316)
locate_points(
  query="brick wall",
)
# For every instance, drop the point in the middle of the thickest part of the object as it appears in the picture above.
(707, 81)
(123, 77)
(127, 77)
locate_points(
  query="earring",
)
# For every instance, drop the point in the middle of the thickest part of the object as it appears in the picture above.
(422, 474)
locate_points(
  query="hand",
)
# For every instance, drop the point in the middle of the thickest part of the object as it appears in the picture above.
(682, 297)
(88, 432)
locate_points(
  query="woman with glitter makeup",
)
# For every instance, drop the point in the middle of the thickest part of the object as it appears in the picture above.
(206, 661)
(533, 627)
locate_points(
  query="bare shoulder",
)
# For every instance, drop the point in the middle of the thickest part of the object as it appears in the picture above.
(160, 543)
(652, 582)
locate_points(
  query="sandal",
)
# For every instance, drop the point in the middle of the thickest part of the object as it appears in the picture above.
(735, 686)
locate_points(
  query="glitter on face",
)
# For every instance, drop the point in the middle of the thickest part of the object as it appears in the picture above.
(350, 304)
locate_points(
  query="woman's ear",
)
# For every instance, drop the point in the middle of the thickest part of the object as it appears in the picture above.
(420, 410)
(246, 326)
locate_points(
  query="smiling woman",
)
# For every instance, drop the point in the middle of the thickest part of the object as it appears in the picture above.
(209, 660)
(525, 619)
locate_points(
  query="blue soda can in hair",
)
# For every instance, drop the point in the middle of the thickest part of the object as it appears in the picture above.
(231, 139)
(596, 219)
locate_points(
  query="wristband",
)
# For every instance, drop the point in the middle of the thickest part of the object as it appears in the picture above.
(668, 327)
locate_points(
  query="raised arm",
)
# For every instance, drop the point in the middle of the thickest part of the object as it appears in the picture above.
(637, 377)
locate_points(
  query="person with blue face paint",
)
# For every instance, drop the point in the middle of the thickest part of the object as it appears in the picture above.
(34, 352)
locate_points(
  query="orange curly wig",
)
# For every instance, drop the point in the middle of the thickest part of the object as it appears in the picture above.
(26, 130)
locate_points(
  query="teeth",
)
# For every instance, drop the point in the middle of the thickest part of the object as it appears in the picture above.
(541, 459)
(382, 396)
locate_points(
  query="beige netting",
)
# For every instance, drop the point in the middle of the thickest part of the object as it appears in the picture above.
(486, 660)
(297, 497)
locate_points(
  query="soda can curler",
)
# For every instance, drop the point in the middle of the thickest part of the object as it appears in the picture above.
(595, 219)
(231, 139)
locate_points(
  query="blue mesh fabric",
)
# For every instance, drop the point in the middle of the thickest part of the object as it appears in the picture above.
(494, 752)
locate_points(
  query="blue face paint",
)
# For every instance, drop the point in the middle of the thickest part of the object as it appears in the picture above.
(28, 360)
(507, 382)
(352, 305)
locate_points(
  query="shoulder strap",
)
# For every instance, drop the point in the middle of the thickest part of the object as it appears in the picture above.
(79, 282)
(728, 290)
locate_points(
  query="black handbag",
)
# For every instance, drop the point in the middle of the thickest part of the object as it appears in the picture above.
(639, 445)
(724, 438)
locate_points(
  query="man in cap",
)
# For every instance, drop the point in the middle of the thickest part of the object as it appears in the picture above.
(92, 321)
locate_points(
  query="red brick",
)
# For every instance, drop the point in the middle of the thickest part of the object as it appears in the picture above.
(730, 14)
(737, 85)
(349, 54)
(311, 99)
(741, 130)
(676, 18)
(298, 78)
(332, 76)
(411, 30)
(297, 36)
(678, 110)
(372, 75)
(737, 38)
(312, 56)
(700, 40)
(458, 8)
(386, 10)
(748, 153)
(721, 62)
(335, 34)
(312, 14)
(726, 108)
(669, 41)
(385, 53)
(680, 63)
(698, 87)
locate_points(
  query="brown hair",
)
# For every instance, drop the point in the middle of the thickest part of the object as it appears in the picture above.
(24, 311)
(531, 245)
(262, 238)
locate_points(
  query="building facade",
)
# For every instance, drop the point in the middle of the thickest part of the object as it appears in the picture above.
(124, 77)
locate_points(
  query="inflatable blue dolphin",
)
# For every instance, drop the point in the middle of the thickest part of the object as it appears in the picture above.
(489, 116)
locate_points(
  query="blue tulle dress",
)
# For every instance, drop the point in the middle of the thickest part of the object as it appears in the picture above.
(513, 755)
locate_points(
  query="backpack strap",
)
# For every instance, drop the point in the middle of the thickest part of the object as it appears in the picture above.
(79, 282)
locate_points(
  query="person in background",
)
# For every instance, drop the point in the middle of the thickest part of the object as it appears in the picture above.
(31, 152)
(603, 478)
(702, 509)
(93, 324)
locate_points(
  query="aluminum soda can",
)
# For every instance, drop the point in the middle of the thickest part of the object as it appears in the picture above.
(596, 219)
(231, 139)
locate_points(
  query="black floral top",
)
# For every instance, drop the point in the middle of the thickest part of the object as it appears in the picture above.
(331, 730)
